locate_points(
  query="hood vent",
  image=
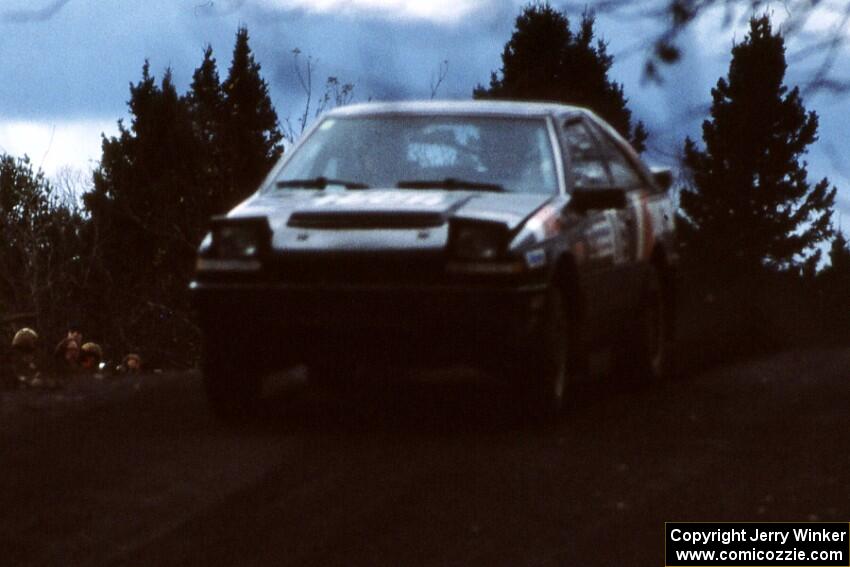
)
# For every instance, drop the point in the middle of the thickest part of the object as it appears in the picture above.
(366, 220)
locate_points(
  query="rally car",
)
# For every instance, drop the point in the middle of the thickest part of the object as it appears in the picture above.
(509, 235)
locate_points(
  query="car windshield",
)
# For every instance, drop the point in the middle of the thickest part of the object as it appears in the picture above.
(444, 152)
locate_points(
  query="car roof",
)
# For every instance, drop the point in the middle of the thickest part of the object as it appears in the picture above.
(466, 107)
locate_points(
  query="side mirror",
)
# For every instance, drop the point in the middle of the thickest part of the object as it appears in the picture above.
(663, 177)
(596, 199)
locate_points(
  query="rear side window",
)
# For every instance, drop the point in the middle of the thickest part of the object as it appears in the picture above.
(586, 160)
(623, 173)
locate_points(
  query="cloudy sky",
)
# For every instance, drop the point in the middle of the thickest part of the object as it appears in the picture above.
(67, 64)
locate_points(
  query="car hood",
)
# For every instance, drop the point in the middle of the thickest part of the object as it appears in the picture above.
(334, 218)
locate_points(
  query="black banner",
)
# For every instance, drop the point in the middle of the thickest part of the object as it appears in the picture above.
(760, 544)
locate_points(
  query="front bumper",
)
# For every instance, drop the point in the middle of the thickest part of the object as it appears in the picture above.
(307, 322)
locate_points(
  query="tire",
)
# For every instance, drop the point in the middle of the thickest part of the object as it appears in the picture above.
(232, 382)
(649, 352)
(546, 369)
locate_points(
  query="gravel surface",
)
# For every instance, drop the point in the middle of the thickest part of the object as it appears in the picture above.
(135, 471)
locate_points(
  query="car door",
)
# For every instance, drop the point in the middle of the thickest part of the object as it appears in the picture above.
(636, 223)
(597, 231)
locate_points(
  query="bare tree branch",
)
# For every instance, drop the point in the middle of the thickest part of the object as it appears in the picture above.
(336, 93)
(676, 16)
(218, 8)
(437, 80)
(821, 79)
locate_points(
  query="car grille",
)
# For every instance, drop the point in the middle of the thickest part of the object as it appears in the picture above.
(354, 268)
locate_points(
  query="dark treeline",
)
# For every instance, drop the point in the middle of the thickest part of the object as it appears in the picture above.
(119, 265)
(45, 259)
(751, 224)
(118, 260)
(181, 160)
(546, 60)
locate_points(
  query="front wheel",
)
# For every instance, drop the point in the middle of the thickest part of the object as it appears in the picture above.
(543, 370)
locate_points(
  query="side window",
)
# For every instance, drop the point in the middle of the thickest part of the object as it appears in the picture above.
(623, 172)
(587, 162)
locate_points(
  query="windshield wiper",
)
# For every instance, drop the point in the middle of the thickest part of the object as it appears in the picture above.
(450, 183)
(320, 183)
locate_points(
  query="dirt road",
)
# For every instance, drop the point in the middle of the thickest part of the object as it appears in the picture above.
(137, 472)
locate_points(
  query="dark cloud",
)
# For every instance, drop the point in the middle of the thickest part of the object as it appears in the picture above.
(34, 15)
(80, 64)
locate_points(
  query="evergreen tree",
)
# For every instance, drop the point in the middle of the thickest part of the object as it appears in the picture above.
(839, 255)
(205, 103)
(149, 171)
(205, 99)
(834, 289)
(145, 208)
(180, 160)
(547, 61)
(750, 205)
(250, 134)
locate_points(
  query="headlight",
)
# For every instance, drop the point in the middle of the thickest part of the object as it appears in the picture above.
(477, 240)
(236, 239)
(235, 242)
(235, 245)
